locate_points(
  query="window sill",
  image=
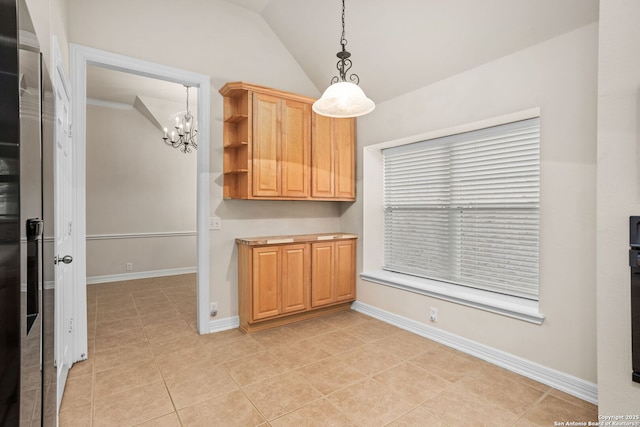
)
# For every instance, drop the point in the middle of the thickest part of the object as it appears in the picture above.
(518, 308)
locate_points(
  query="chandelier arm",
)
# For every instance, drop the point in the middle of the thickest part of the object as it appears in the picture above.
(185, 131)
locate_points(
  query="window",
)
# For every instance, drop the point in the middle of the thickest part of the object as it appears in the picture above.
(464, 209)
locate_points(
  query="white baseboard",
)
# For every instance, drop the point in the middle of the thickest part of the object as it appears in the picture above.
(140, 275)
(574, 386)
(224, 324)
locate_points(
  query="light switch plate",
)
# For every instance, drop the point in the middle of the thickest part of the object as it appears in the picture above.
(215, 223)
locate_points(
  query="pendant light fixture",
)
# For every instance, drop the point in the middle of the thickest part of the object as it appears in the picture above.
(343, 98)
(184, 137)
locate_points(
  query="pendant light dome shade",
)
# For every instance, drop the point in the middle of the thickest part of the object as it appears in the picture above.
(343, 99)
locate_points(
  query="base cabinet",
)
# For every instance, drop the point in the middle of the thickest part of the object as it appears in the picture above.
(280, 280)
(333, 272)
(279, 283)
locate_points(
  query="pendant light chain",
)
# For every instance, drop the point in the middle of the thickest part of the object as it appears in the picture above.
(343, 40)
(188, 100)
(344, 64)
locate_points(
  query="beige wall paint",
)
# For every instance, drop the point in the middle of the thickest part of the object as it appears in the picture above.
(618, 198)
(559, 76)
(136, 184)
(50, 18)
(219, 39)
(228, 43)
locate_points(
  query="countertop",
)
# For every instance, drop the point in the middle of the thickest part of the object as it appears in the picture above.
(298, 238)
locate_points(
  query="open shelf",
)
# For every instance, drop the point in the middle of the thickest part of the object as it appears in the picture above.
(236, 118)
(236, 144)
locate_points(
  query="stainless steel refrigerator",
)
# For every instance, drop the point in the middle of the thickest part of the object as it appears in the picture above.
(27, 392)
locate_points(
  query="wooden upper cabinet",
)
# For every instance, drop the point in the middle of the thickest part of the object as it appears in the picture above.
(345, 161)
(275, 148)
(295, 147)
(281, 143)
(333, 158)
(322, 157)
(266, 145)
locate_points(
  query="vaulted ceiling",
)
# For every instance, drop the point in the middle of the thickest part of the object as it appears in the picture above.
(397, 46)
(401, 45)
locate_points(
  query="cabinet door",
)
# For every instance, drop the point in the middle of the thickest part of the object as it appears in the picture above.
(322, 157)
(322, 265)
(295, 278)
(296, 143)
(345, 163)
(265, 285)
(345, 273)
(266, 145)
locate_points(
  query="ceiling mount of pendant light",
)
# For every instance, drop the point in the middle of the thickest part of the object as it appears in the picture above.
(344, 98)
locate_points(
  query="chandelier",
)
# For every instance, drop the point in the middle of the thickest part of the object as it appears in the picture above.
(343, 98)
(184, 135)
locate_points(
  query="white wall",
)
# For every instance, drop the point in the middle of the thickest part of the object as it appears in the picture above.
(618, 198)
(229, 43)
(136, 184)
(559, 77)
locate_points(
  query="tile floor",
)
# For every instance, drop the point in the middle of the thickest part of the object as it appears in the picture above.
(147, 366)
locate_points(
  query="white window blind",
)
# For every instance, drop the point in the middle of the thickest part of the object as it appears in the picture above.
(464, 208)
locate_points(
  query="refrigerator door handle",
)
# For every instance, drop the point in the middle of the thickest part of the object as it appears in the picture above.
(34, 264)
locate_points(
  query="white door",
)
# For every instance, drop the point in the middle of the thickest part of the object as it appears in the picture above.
(63, 231)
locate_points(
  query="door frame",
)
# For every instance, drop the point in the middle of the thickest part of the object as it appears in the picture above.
(81, 57)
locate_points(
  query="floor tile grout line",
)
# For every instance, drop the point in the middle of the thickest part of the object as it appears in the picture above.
(157, 367)
(241, 389)
(538, 401)
(368, 376)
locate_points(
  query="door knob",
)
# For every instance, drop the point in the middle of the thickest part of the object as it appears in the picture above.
(66, 259)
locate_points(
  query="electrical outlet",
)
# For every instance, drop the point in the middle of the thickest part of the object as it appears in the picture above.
(129, 266)
(213, 309)
(433, 314)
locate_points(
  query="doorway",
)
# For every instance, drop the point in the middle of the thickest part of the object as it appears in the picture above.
(81, 58)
